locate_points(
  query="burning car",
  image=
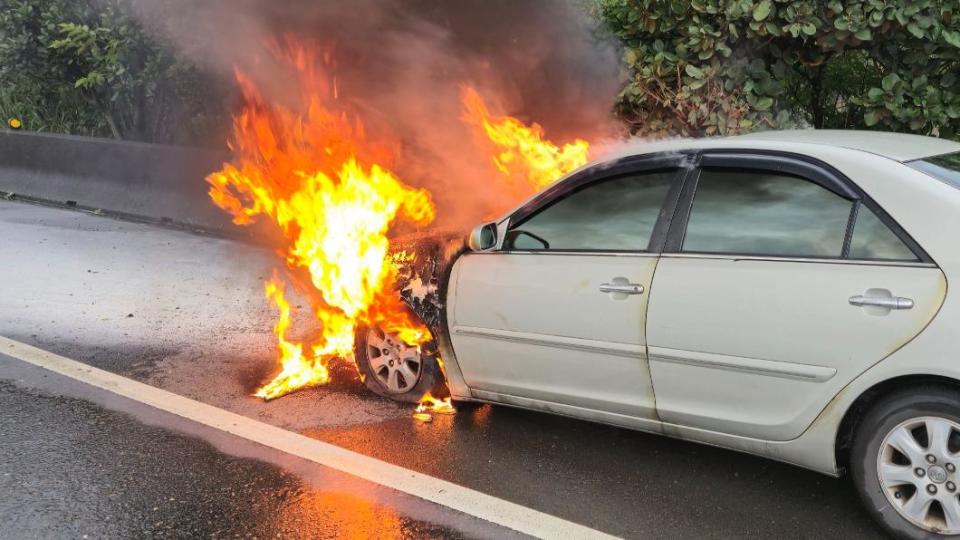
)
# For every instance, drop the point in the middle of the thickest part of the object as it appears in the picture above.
(389, 365)
(782, 294)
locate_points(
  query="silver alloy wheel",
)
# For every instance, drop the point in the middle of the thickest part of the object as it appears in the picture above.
(396, 365)
(918, 471)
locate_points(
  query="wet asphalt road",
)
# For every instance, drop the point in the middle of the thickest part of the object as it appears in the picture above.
(81, 460)
(82, 463)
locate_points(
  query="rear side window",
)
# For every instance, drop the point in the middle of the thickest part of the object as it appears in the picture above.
(873, 240)
(611, 215)
(765, 213)
(751, 212)
(945, 168)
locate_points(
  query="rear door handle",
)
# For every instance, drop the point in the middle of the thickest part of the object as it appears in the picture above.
(885, 302)
(622, 288)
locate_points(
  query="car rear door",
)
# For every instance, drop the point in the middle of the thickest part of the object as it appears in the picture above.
(557, 313)
(780, 282)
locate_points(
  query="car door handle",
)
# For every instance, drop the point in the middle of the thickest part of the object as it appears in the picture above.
(887, 302)
(622, 288)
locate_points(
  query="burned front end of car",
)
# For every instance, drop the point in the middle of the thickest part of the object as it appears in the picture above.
(423, 265)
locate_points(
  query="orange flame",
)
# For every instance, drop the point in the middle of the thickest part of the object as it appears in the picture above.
(522, 152)
(296, 368)
(314, 174)
(308, 168)
(429, 404)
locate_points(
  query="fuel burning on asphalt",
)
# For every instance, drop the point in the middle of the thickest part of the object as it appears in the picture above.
(312, 171)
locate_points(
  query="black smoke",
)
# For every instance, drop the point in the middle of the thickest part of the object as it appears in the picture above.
(402, 63)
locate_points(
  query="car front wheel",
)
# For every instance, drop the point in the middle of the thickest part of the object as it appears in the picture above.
(393, 369)
(905, 463)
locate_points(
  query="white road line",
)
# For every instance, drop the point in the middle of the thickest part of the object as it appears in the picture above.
(468, 501)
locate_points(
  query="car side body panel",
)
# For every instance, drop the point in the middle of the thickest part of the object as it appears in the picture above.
(928, 210)
(539, 326)
(925, 208)
(787, 336)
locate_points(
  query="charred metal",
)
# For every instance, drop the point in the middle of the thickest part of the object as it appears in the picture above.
(422, 264)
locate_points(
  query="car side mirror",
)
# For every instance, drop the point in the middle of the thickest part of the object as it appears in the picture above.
(483, 237)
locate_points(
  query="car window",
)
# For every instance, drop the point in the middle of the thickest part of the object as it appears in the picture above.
(765, 213)
(611, 215)
(872, 239)
(945, 168)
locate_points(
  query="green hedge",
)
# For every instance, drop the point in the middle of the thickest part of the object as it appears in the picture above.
(707, 67)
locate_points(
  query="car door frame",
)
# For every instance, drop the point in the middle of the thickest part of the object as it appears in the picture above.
(793, 164)
(788, 163)
(681, 162)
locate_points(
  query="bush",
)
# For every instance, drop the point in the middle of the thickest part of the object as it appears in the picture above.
(88, 67)
(705, 67)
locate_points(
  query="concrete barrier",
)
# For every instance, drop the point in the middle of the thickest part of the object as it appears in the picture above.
(130, 180)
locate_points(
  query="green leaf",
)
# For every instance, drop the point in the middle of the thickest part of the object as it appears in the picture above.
(694, 71)
(953, 38)
(872, 118)
(762, 11)
(864, 35)
(764, 104)
(890, 82)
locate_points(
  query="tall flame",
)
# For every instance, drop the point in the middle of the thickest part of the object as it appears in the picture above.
(522, 153)
(310, 170)
(319, 180)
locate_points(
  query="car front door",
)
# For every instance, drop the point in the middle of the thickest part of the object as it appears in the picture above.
(557, 313)
(780, 282)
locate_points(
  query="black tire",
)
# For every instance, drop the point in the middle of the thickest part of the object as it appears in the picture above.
(880, 420)
(429, 376)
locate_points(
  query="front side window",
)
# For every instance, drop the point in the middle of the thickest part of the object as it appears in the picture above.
(618, 214)
(765, 213)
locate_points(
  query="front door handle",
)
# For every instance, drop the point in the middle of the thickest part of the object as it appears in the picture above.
(885, 302)
(622, 288)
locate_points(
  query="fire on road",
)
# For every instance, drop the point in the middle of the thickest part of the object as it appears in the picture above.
(317, 175)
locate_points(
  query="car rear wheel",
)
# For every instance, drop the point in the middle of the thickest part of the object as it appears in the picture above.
(393, 369)
(905, 462)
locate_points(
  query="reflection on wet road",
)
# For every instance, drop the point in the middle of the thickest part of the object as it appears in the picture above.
(623, 482)
(74, 469)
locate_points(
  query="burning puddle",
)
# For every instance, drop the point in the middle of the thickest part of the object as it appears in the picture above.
(310, 169)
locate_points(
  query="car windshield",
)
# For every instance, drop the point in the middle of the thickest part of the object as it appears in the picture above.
(945, 167)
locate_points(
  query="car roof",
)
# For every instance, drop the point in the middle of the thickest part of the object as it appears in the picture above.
(896, 146)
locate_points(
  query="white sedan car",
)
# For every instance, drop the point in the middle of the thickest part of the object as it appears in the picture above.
(784, 294)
